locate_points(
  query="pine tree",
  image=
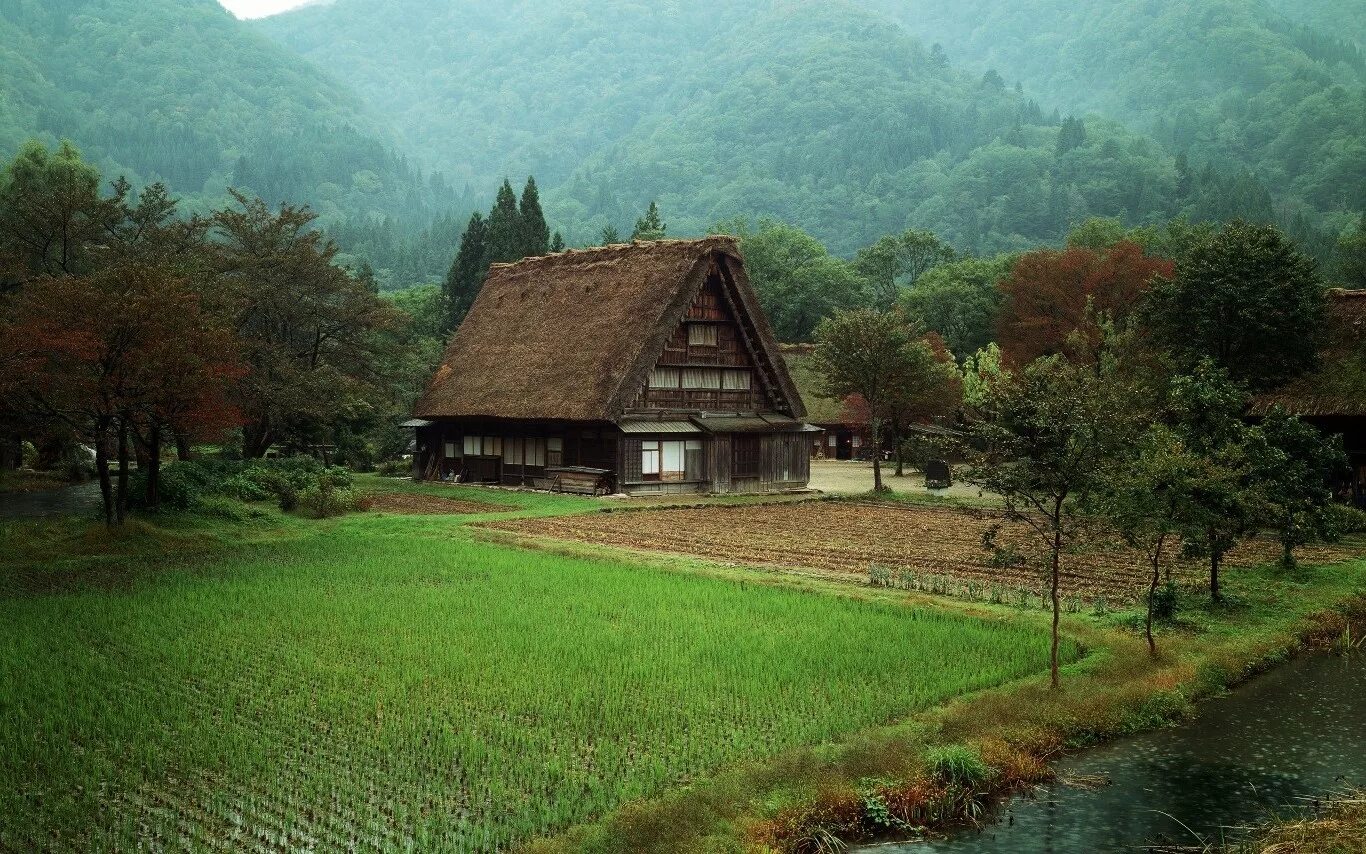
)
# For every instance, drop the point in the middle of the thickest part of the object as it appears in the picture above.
(535, 233)
(504, 240)
(610, 235)
(557, 243)
(467, 272)
(650, 226)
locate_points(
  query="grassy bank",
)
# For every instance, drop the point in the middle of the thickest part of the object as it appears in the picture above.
(252, 679)
(1337, 827)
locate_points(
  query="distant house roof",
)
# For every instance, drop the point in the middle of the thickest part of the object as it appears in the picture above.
(573, 336)
(1337, 387)
(819, 408)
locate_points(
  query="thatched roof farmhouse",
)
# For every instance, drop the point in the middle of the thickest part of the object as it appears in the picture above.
(647, 367)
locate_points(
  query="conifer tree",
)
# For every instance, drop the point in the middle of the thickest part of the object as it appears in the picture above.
(557, 243)
(504, 240)
(610, 235)
(535, 233)
(650, 226)
(467, 272)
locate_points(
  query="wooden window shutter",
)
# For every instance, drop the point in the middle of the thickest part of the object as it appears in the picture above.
(630, 451)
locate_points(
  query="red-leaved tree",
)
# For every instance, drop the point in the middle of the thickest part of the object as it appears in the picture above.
(1052, 294)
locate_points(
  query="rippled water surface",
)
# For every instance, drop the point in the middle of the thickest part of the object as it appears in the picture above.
(1297, 732)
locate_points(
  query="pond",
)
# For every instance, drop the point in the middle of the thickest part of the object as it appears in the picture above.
(80, 499)
(1272, 745)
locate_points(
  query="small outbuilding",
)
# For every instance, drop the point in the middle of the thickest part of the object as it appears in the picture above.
(643, 368)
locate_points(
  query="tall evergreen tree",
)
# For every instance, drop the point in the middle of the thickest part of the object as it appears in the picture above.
(504, 239)
(535, 233)
(557, 243)
(610, 235)
(467, 273)
(650, 226)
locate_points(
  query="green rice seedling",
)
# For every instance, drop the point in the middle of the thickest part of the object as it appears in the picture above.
(388, 682)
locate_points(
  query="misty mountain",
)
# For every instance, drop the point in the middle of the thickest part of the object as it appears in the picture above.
(182, 92)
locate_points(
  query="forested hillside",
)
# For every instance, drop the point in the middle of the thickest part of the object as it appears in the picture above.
(1233, 83)
(838, 117)
(179, 91)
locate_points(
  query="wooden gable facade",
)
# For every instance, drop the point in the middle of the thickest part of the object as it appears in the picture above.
(674, 386)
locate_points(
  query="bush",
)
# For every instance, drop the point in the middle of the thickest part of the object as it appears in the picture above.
(394, 468)
(324, 499)
(185, 485)
(1164, 603)
(959, 765)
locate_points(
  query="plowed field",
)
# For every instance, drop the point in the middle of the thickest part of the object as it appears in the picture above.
(924, 547)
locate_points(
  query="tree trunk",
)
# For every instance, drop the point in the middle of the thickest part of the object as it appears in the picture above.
(121, 504)
(876, 427)
(182, 447)
(153, 494)
(102, 467)
(900, 454)
(1152, 594)
(256, 439)
(1215, 559)
(1054, 680)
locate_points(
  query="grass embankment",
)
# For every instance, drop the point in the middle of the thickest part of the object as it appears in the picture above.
(1339, 827)
(391, 681)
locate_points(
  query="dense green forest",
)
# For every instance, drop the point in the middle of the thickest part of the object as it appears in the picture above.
(1239, 84)
(857, 118)
(179, 91)
(997, 126)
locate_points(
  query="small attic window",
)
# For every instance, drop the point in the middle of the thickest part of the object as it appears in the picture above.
(701, 335)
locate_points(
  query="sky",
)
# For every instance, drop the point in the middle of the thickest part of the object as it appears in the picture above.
(259, 8)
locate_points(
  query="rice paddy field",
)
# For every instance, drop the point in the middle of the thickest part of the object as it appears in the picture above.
(389, 682)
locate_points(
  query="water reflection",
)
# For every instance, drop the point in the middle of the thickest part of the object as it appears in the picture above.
(1297, 732)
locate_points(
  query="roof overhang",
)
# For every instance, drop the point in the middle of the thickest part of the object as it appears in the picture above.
(754, 424)
(653, 428)
(416, 422)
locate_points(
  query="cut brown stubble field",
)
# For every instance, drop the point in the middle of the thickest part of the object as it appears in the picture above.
(926, 547)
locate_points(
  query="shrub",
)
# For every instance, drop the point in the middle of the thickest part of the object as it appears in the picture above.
(394, 468)
(229, 509)
(1164, 603)
(325, 499)
(959, 765)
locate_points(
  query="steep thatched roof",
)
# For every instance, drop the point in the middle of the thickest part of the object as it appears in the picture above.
(819, 408)
(1337, 387)
(572, 336)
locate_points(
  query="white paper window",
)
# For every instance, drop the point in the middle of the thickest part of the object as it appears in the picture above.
(673, 459)
(664, 378)
(832, 440)
(535, 452)
(554, 452)
(737, 380)
(701, 378)
(649, 460)
(512, 452)
(701, 335)
(450, 450)
(474, 446)
(493, 446)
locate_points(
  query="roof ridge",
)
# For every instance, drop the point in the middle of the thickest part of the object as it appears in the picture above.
(592, 252)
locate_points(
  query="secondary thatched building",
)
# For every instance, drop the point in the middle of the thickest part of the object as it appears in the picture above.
(643, 368)
(1333, 397)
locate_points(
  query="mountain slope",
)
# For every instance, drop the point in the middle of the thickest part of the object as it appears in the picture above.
(1233, 83)
(824, 114)
(180, 91)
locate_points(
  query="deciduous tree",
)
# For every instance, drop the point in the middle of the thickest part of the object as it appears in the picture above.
(1245, 298)
(1048, 436)
(896, 262)
(1051, 295)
